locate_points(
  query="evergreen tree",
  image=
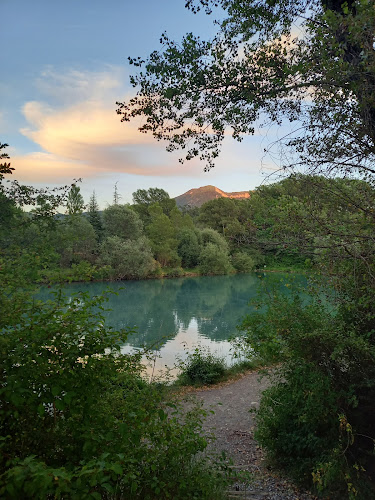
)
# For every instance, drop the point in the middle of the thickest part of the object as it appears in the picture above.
(95, 218)
(162, 236)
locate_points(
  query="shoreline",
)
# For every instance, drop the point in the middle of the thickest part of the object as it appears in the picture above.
(187, 274)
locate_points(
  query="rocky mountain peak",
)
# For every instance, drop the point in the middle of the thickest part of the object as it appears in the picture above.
(196, 197)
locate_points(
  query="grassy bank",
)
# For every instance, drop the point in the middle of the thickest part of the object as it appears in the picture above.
(86, 273)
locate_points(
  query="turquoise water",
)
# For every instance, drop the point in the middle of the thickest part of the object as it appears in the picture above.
(177, 315)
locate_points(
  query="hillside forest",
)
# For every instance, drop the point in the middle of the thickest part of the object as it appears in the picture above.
(153, 238)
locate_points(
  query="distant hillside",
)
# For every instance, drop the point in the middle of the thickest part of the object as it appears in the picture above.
(196, 197)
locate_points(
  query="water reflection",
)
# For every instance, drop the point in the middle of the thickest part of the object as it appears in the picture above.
(177, 314)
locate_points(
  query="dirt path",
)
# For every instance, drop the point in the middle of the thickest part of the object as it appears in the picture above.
(233, 426)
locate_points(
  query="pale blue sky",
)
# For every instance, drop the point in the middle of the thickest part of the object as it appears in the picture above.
(64, 64)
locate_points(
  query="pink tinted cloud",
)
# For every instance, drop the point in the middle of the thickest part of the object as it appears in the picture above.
(88, 138)
(81, 134)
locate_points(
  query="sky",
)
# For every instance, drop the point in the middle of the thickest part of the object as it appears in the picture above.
(63, 67)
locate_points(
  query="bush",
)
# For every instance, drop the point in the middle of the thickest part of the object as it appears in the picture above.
(213, 260)
(316, 421)
(243, 262)
(77, 420)
(201, 368)
(127, 259)
(175, 272)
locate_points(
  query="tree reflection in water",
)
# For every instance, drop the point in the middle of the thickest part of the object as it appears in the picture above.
(173, 315)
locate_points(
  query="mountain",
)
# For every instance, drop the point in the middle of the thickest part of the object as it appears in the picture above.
(196, 197)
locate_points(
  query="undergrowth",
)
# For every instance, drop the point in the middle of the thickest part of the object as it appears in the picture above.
(204, 368)
(78, 422)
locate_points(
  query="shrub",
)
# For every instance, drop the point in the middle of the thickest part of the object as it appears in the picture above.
(77, 420)
(243, 262)
(175, 272)
(128, 259)
(214, 260)
(316, 421)
(201, 368)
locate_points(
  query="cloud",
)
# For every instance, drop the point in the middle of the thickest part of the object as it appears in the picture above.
(47, 168)
(75, 86)
(86, 137)
(69, 132)
(77, 134)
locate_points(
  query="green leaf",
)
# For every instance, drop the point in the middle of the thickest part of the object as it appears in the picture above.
(108, 487)
(55, 390)
(60, 405)
(117, 468)
(162, 414)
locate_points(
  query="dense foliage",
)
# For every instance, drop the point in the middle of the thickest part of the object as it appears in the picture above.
(77, 419)
(317, 418)
(310, 63)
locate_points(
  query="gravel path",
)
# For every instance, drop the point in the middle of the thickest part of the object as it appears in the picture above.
(233, 426)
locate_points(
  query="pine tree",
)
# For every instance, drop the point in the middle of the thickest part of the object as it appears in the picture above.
(94, 216)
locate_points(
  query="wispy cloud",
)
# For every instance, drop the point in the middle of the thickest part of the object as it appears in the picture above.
(74, 86)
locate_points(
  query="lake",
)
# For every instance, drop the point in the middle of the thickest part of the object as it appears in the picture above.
(176, 315)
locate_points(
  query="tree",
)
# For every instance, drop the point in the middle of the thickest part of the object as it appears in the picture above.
(128, 259)
(211, 236)
(214, 255)
(219, 213)
(232, 218)
(121, 221)
(5, 167)
(180, 221)
(75, 203)
(150, 196)
(316, 420)
(162, 236)
(321, 79)
(95, 217)
(144, 199)
(75, 240)
(116, 195)
(189, 247)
